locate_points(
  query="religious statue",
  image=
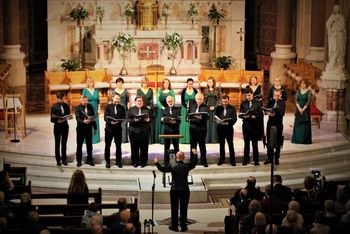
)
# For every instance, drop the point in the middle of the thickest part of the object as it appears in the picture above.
(147, 12)
(336, 30)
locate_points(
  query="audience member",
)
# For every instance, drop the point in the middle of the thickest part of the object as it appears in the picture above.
(4, 212)
(77, 189)
(309, 184)
(96, 224)
(340, 202)
(89, 213)
(120, 227)
(320, 226)
(253, 191)
(6, 183)
(240, 202)
(277, 204)
(346, 217)
(290, 225)
(268, 227)
(247, 222)
(294, 205)
(281, 191)
(33, 226)
(115, 217)
(331, 217)
(259, 223)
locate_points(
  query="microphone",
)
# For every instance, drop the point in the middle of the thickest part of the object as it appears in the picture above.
(154, 174)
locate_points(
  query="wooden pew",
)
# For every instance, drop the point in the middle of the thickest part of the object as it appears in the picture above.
(56, 82)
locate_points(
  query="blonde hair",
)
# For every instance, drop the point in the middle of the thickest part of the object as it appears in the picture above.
(90, 80)
(144, 79)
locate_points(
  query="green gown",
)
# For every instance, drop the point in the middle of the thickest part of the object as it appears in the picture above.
(161, 102)
(94, 100)
(185, 126)
(212, 98)
(302, 126)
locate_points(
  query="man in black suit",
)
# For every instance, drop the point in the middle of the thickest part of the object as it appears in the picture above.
(85, 116)
(179, 192)
(113, 116)
(197, 116)
(281, 191)
(171, 118)
(250, 125)
(139, 117)
(60, 128)
(228, 117)
(276, 120)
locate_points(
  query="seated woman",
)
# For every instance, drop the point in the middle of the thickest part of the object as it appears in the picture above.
(78, 191)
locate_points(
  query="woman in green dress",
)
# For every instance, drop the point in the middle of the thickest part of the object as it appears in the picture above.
(212, 97)
(93, 97)
(125, 102)
(147, 96)
(302, 121)
(187, 97)
(162, 94)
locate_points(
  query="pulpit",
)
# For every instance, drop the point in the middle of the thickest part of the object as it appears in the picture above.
(147, 14)
(155, 75)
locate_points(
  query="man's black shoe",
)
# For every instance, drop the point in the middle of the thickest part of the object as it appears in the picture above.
(184, 229)
(277, 162)
(119, 164)
(79, 164)
(233, 164)
(256, 163)
(134, 165)
(267, 162)
(220, 162)
(205, 164)
(91, 163)
(108, 165)
(59, 164)
(143, 164)
(245, 163)
(174, 229)
(65, 163)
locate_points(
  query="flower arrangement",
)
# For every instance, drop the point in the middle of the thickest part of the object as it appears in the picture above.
(166, 10)
(215, 15)
(79, 14)
(124, 43)
(100, 12)
(193, 10)
(70, 64)
(172, 41)
(129, 9)
(224, 62)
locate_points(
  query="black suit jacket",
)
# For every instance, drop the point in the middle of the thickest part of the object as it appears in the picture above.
(171, 127)
(230, 113)
(276, 120)
(80, 116)
(56, 112)
(198, 124)
(251, 124)
(141, 126)
(179, 172)
(109, 111)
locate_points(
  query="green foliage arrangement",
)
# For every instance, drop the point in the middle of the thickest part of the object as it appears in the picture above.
(79, 14)
(224, 62)
(124, 42)
(215, 15)
(70, 64)
(193, 10)
(172, 41)
(129, 9)
(100, 12)
(166, 10)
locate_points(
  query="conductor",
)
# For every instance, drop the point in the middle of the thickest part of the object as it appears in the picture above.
(179, 192)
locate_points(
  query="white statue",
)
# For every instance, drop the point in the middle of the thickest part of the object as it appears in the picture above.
(336, 29)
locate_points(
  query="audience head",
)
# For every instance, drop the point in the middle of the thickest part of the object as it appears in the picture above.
(93, 207)
(166, 84)
(277, 179)
(130, 228)
(347, 206)
(309, 183)
(254, 206)
(294, 205)
(180, 156)
(125, 216)
(25, 198)
(251, 182)
(342, 196)
(329, 206)
(90, 82)
(122, 203)
(291, 218)
(77, 183)
(259, 219)
(32, 217)
(44, 231)
(96, 224)
(268, 190)
(320, 217)
(199, 98)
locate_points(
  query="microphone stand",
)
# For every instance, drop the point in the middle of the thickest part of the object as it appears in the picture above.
(273, 144)
(153, 188)
(15, 140)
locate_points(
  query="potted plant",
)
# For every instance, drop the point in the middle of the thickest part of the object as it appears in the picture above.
(70, 64)
(79, 14)
(192, 12)
(129, 13)
(172, 42)
(215, 15)
(124, 43)
(100, 13)
(166, 13)
(223, 62)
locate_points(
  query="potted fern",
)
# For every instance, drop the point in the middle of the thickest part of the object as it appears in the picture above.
(79, 14)
(223, 62)
(192, 12)
(70, 64)
(172, 42)
(214, 15)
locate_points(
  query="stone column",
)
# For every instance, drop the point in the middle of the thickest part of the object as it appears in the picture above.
(12, 53)
(318, 22)
(335, 77)
(283, 53)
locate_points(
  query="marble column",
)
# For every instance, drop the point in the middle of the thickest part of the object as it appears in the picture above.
(283, 49)
(318, 22)
(334, 80)
(12, 53)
